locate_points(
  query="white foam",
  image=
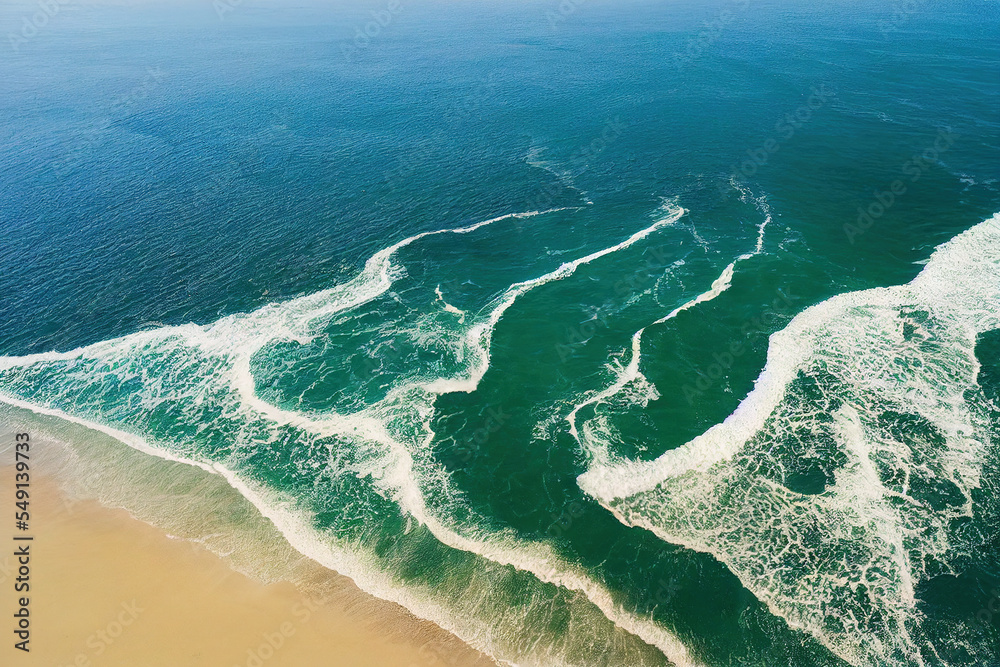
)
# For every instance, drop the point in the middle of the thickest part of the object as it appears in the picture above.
(397, 472)
(596, 446)
(291, 320)
(565, 176)
(294, 526)
(234, 340)
(479, 336)
(946, 279)
(448, 308)
(536, 558)
(129, 439)
(291, 522)
(843, 564)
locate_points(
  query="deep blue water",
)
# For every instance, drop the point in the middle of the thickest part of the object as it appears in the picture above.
(658, 407)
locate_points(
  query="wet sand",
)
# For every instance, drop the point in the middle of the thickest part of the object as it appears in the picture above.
(108, 589)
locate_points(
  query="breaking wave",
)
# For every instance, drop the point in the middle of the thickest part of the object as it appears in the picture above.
(839, 483)
(318, 411)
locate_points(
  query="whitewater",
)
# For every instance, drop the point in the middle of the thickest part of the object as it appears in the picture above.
(777, 541)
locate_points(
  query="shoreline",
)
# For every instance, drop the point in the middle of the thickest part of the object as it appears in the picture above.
(112, 509)
(110, 589)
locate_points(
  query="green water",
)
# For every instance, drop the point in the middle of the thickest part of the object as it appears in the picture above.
(610, 339)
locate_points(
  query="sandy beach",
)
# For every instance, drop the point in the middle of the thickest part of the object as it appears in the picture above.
(108, 589)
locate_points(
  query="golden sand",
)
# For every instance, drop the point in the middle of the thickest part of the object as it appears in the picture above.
(107, 589)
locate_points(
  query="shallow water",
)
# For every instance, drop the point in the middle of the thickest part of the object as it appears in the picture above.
(560, 332)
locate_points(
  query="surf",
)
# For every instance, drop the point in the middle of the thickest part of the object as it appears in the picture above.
(199, 374)
(876, 393)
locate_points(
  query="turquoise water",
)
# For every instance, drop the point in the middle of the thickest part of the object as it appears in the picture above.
(598, 334)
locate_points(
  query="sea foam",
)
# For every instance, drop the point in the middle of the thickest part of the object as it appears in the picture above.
(193, 395)
(874, 392)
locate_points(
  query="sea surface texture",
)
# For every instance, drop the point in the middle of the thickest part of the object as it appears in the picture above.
(625, 334)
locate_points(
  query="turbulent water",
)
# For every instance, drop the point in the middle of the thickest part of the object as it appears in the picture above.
(594, 335)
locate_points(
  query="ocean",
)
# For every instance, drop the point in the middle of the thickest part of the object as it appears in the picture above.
(597, 333)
